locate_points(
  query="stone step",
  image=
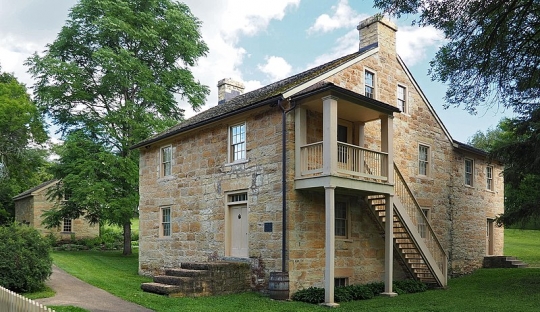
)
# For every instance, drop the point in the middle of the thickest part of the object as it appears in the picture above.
(503, 262)
(160, 289)
(186, 272)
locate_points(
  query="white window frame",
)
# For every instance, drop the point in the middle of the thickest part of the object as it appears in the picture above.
(402, 102)
(422, 226)
(469, 175)
(490, 186)
(341, 281)
(67, 225)
(373, 85)
(239, 155)
(426, 161)
(165, 216)
(165, 164)
(346, 221)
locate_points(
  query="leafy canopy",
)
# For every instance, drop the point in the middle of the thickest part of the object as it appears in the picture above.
(108, 81)
(21, 133)
(491, 56)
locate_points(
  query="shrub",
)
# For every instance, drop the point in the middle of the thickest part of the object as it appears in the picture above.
(26, 258)
(357, 292)
(310, 295)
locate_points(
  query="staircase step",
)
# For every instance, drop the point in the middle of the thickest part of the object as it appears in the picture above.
(186, 272)
(407, 246)
(160, 289)
(175, 280)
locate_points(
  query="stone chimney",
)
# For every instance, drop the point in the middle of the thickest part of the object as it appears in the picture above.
(228, 89)
(378, 30)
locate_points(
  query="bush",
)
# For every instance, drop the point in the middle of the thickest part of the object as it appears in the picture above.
(26, 261)
(357, 292)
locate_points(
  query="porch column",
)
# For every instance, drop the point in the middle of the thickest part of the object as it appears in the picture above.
(329, 135)
(360, 136)
(389, 246)
(387, 145)
(329, 246)
(300, 137)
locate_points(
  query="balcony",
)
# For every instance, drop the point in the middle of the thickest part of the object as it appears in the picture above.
(333, 129)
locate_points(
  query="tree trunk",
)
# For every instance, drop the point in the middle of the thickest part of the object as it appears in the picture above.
(127, 239)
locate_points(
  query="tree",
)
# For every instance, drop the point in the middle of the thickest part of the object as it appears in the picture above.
(491, 56)
(97, 184)
(114, 70)
(21, 132)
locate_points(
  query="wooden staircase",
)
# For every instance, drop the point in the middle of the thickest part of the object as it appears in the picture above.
(404, 244)
(195, 279)
(414, 239)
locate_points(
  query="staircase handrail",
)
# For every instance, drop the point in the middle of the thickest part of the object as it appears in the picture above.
(399, 181)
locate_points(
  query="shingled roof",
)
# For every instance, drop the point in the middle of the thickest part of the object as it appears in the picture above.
(34, 189)
(262, 96)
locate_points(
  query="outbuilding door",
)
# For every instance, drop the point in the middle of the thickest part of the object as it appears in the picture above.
(489, 237)
(239, 231)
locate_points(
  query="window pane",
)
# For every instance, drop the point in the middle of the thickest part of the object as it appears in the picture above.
(423, 159)
(238, 142)
(341, 219)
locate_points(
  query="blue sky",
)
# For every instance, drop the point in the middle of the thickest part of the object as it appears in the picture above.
(257, 42)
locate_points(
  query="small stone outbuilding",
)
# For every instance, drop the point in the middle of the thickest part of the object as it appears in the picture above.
(29, 208)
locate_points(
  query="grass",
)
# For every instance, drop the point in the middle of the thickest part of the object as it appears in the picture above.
(523, 244)
(484, 290)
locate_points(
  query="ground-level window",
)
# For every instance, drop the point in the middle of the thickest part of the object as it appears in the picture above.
(369, 81)
(469, 172)
(238, 142)
(165, 225)
(341, 281)
(66, 227)
(423, 159)
(341, 220)
(489, 178)
(402, 98)
(166, 157)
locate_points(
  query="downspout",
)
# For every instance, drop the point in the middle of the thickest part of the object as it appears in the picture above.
(284, 181)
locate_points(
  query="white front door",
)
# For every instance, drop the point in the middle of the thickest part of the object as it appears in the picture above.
(239, 231)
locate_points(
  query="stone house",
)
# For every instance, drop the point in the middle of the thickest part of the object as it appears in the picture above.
(29, 208)
(300, 176)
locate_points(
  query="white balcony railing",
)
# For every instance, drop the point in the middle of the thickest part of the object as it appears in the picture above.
(352, 160)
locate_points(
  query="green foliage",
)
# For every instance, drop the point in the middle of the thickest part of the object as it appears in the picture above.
(21, 167)
(491, 54)
(109, 81)
(315, 295)
(26, 260)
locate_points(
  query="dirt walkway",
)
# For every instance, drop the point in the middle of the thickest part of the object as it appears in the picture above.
(71, 291)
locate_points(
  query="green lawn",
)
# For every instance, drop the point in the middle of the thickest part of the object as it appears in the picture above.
(525, 244)
(485, 290)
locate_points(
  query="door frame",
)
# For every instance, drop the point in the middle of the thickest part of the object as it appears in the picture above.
(489, 236)
(234, 199)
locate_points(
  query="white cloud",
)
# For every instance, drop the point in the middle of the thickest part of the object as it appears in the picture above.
(412, 42)
(343, 45)
(276, 68)
(343, 17)
(223, 24)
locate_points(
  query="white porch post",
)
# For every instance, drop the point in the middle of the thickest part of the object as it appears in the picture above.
(329, 246)
(329, 135)
(389, 246)
(300, 135)
(387, 145)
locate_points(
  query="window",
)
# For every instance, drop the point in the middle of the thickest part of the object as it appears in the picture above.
(423, 159)
(402, 98)
(165, 226)
(341, 223)
(489, 178)
(341, 281)
(238, 142)
(66, 227)
(166, 156)
(240, 197)
(369, 81)
(469, 171)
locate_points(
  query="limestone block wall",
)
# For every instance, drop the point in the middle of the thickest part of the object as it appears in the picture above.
(438, 191)
(24, 211)
(197, 193)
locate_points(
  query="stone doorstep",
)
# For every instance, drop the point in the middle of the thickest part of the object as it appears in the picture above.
(186, 272)
(160, 289)
(503, 262)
